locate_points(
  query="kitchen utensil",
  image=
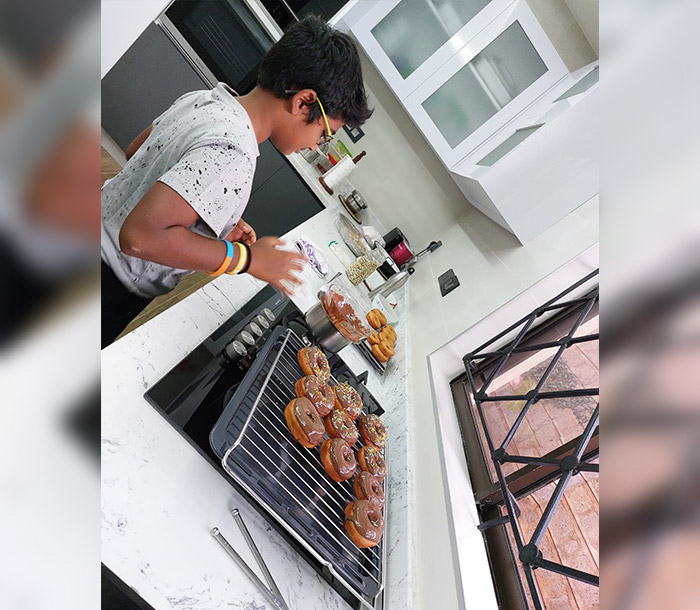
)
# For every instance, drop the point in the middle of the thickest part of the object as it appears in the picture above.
(339, 171)
(345, 310)
(219, 537)
(236, 514)
(351, 236)
(431, 247)
(392, 284)
(380, 302)
(350, 209)
(323, 330)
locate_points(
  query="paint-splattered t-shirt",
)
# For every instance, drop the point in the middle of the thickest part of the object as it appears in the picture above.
(203, 147)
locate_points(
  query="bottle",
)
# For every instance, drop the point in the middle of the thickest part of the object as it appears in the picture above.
(340, 254)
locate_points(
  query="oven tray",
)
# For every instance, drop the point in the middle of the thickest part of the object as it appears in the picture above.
(259, 453)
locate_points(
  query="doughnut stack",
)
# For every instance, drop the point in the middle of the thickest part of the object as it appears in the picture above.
(383, 337)
(335, 412)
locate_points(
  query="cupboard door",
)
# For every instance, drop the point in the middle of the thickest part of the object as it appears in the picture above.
(486, 84)
(409, 39)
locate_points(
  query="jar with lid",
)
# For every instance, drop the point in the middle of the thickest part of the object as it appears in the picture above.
(363, 267)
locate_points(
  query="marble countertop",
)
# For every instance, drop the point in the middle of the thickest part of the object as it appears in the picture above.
(160, 498)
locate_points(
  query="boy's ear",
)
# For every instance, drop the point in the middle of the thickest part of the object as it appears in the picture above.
(304, 97)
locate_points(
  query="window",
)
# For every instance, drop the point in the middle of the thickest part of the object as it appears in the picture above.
(528, 411)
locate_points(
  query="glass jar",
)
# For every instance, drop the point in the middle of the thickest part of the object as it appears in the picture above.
(362, 268)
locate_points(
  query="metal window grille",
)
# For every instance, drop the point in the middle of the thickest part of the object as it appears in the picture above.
(486, 363)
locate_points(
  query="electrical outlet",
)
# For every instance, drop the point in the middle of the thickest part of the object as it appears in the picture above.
(448, 282)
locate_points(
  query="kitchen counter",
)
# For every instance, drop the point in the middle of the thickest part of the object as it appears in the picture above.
(160, 498)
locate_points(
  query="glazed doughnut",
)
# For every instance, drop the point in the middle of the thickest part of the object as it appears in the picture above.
(347, 399)
(313, 362)
(304, 422)
(378, 354)
(373, 431)
(364, 523)
(339, 424)
(373, 338)
(373, 319)
(338, 459)
(368, 487)
(371, 460)
(318, 392)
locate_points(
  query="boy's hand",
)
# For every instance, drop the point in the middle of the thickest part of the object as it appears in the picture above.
(272, 265)
(242, 232)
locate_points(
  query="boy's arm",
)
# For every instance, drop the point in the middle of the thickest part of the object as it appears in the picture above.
(137, 141)
(157, 229)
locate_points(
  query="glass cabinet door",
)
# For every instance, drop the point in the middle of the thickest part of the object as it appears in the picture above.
(486, 84)
(408, 40)
(496, 76)
(414, 29)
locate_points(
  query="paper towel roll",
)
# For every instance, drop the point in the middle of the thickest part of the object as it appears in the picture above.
(338, 172)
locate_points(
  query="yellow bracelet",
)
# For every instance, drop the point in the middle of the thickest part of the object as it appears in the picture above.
(227, 260)
(242, 258)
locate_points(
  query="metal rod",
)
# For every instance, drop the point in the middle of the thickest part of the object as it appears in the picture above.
(591, 579)
(551, 507)
(535, 347)
(236, 514)
(534, 461)
(587, 433)
(583, 467)
(218, 536)
(544, 395)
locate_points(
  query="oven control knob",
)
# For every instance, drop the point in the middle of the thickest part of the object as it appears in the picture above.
(267, 312)
(254, 330)
(235, 351)
(245, 338)
(262, 322)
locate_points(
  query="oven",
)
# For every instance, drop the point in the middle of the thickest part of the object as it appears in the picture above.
(227, 399)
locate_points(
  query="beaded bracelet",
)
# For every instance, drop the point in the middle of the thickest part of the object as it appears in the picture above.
(227, 260)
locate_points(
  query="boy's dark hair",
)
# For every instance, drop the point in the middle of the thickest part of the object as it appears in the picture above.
(312, 55)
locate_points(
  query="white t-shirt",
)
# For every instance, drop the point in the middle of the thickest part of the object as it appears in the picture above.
(203, 147)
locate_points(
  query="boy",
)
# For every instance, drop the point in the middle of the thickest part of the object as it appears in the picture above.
(176, 206)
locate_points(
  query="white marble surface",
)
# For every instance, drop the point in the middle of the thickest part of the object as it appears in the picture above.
(160, 498)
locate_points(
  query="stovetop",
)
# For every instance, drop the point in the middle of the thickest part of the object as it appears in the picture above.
(193, 395)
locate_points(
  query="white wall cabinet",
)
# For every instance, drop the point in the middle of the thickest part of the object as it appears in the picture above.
(480, 79)
(543, 165)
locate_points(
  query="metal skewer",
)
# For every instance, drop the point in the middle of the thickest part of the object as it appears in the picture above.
(235, 513)
(218, 536)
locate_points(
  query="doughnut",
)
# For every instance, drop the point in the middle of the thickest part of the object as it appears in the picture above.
(313, 362)
(318, 392)
(378, 354)
(371, 460)
(390, 329)
(304, 422)
(347, 399)
(382, 317)
(340, 425)
(338, 459)
(368, 487)
(373, 431)
(364, 523)
(373, 338)
(386, 349)
(373, 319)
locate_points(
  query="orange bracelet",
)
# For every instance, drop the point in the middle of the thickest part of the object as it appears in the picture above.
(227, 260)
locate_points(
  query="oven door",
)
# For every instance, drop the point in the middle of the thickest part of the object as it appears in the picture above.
(225, 40)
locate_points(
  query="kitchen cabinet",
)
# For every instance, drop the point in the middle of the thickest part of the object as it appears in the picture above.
(543, 165)
(482, 81)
